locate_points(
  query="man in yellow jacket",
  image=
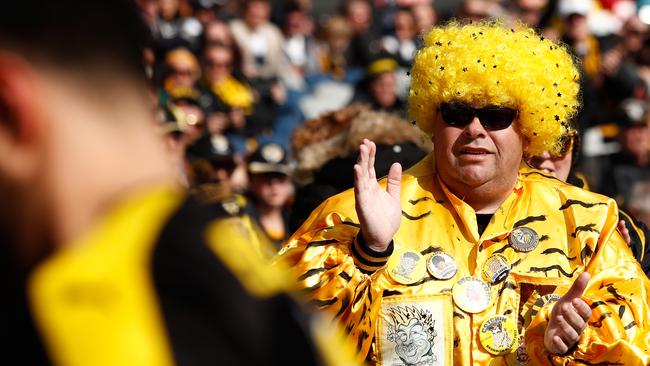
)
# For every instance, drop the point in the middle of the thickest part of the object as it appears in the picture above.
(468, 258)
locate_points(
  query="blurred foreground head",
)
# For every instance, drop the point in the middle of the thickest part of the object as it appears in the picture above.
(75, 124)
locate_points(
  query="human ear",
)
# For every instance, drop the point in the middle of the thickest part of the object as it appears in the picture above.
(20, 128)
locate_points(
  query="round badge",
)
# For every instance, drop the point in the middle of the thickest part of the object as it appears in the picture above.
(523, 239)
(406, 266)
(498, 334)
(496, 268)
(471, 294)
(441, 266)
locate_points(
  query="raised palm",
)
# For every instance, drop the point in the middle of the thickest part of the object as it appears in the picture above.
(379, 210)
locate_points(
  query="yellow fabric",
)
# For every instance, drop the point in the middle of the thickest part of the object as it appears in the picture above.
(244, 248)
(94, 302)
(577, 231)
(234, 93)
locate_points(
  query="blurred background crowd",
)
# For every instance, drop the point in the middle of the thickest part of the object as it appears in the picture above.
(269, 99)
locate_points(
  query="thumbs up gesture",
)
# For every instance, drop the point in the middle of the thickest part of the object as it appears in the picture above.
(568, 318)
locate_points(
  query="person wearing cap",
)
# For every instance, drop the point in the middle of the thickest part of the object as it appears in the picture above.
(379, 87)
(630, 165)
(534, 256)
(270, 191)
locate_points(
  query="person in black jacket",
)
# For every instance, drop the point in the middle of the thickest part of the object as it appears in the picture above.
(105, 258)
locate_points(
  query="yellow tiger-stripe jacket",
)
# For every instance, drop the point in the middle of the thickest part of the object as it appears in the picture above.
(576, 230)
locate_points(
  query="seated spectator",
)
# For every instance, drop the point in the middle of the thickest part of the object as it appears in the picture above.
(174, 29)
(217, 32)
(181, 72)
(379, 87)
(425, 16)
(270, 191)
(365, 44)
(299, 44)
(212, 163)
(401, 45)
(261, 44)
(632, 164)
(334, 54)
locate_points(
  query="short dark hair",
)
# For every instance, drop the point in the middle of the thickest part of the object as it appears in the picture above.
(76, 34)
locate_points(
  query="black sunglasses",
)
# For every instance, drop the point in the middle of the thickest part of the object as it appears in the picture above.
(492, 118)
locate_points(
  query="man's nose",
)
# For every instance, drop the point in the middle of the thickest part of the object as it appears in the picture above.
(475, 128)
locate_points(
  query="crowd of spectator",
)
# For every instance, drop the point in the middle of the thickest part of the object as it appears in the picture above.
(239, 77)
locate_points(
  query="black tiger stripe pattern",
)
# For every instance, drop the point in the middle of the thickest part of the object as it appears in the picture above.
(550, 251)
(529, 219)
(588, 227)
(550, 268)
(571, 202)
(414, 218)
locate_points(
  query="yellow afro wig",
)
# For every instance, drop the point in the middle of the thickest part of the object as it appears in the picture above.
(486, 63)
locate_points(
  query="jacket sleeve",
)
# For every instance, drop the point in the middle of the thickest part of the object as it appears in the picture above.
(618, 332)
(336, 272)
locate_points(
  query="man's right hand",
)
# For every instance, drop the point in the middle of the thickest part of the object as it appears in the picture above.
(379, 211)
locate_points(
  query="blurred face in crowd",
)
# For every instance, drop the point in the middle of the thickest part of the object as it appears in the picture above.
(636, 140)
(359, 15)
(425, 17)
(271, 189)
(149, 9)
(472, 157)
(577, 28)
(295, 23)
(182, 73)
(634, 34)
(383, 89)
(257, 13)
(218, 32)
(404, 25)
(218, 63)
(530, 11)
(168, 8)
(557, 166)
(337, 34)
(216, 123)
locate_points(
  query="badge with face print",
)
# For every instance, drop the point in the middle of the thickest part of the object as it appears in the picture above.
(496, 268)
(406, 266)
(442, 266)
(523, 239)
(498, 334)
(471, 294)
(415, 330)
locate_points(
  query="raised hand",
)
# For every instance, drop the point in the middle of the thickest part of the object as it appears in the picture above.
(379, 210)
(568, 318)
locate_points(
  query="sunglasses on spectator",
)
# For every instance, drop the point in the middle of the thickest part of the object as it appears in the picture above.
(492, 118)
(181, 71)
(211, 63)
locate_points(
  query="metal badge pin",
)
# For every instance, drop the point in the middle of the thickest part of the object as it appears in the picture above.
(406, 267)
(471, 294)
(496, 268)
(498, 334)
(523, 239)
(442, 266)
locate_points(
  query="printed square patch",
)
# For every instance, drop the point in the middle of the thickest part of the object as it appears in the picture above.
(415, 330)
